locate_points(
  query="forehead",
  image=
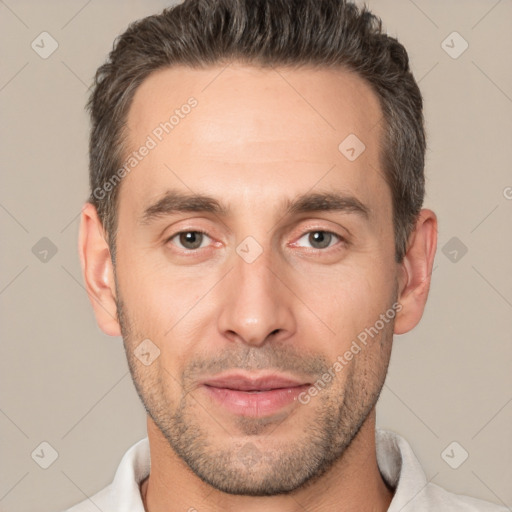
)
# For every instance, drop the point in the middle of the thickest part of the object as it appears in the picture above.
(253, 130)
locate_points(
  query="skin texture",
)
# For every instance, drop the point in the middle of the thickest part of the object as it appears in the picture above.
(258, 137)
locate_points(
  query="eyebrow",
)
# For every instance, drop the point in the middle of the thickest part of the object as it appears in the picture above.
(175, 201)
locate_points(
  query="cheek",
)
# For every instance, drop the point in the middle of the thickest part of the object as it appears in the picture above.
(358, 294)
(347, 299)
(157, 298)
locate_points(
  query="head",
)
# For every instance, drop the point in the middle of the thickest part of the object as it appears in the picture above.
(256, 173)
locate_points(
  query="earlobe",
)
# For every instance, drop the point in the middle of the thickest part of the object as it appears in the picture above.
(97, 270)
(416, 271)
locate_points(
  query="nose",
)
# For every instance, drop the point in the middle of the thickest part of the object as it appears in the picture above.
(257, 305)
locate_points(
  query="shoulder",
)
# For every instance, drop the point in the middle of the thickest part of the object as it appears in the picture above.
(436, 498)
(402, 470)
(124, 492)
(100, 501)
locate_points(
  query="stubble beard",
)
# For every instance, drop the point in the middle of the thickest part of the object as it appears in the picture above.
(252, 463)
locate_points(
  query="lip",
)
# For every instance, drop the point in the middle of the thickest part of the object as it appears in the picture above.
(245, 382)
(254, 396)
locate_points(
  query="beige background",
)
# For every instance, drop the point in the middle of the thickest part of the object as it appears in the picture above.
(64, 382)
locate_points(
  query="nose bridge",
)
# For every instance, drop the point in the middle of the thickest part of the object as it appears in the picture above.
(256, 303)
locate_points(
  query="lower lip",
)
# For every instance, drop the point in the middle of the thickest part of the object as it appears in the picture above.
(255, 404)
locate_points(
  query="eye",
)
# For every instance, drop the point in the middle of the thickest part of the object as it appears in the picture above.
(320, 239)
(190, 240)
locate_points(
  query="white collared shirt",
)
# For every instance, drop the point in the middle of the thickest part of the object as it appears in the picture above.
(397, 464)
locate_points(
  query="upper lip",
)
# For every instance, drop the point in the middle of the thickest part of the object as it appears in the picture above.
(244, 382)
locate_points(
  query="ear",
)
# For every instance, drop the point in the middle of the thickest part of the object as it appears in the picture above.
(97, 270)
(415, 272)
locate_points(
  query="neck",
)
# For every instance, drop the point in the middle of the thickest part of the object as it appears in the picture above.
(352, 484)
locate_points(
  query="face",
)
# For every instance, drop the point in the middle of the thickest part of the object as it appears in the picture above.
(253, 298)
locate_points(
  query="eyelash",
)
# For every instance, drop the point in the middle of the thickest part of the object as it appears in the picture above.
(193, 251)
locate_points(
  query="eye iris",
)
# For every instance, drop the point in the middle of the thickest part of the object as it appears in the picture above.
(191, 237)
(320, 237)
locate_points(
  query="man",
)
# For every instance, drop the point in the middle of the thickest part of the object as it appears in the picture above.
(255, 233)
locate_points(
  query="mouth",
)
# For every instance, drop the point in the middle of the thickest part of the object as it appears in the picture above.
(252, 396)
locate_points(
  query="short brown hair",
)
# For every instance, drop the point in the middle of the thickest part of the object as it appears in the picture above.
(319, 33)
